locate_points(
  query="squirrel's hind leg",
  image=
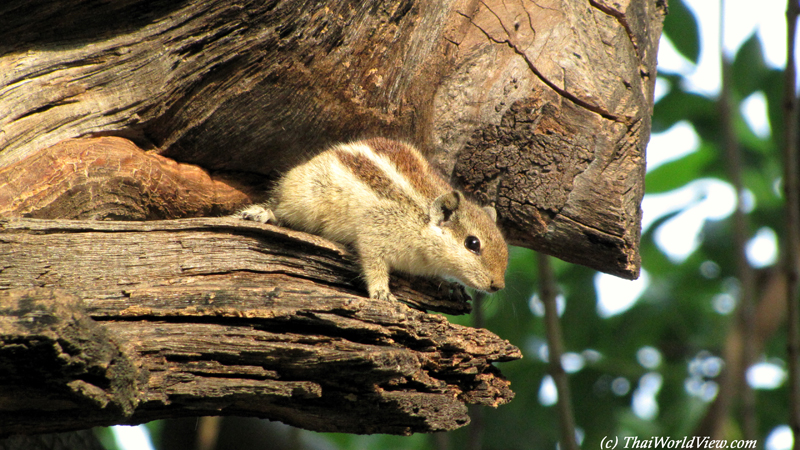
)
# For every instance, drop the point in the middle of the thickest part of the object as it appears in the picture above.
(258, 212)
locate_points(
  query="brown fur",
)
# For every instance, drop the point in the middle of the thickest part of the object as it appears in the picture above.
(414, 169)
(366, 171)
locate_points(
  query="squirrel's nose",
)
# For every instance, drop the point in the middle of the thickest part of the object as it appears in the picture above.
(497, 285)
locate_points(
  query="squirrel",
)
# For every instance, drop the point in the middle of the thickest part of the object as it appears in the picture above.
(383, 198)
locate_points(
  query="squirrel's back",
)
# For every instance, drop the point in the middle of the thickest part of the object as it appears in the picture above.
(382, 197)
(325, 195)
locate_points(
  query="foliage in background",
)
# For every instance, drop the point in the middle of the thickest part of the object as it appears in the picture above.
(652, 370)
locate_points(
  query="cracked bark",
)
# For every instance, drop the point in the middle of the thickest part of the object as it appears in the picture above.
(167, 110)
(564, 157)
(514, 46)
(105, 322)
(256, 87)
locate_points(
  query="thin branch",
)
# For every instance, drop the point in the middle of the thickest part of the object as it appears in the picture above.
(555, 345)
(744, 272)
(477, 426)
(208, 432)
(792, 243)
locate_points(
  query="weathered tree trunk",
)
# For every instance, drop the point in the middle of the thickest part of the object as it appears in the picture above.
(541, 108)
(224, 317)
(110, 178)
(140, 109)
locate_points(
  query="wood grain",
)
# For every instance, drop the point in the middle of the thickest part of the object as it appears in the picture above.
(111, 178)
(540, 108)
(125, 322)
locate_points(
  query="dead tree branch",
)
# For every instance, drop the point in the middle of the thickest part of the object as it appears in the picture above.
(539, 108)
(126, 322)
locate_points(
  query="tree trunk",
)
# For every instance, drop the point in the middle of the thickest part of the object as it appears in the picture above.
(541, 108)
(224, 317)
(150, 109)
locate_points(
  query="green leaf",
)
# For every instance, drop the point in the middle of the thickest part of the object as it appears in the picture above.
(680, 26)
(679, 105)
(749, 69)
(773, 89)
(678, 173)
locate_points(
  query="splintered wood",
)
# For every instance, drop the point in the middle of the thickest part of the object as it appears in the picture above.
(167, 110)
(226, 317)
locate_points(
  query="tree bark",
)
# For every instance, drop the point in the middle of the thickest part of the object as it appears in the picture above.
(125, 322)
(540, 108)
(150, 109)
(110, 178)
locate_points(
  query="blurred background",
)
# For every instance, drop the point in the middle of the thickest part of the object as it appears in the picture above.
(647, 357)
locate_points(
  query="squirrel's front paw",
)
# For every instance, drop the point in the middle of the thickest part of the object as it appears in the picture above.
(384, 294)
(256, 213)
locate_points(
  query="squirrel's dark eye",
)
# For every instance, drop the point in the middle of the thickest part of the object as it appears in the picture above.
(473, 244)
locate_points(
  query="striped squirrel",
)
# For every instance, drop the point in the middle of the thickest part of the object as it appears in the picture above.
(383, 198)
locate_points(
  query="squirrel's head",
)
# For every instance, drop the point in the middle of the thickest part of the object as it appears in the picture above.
(473, 249)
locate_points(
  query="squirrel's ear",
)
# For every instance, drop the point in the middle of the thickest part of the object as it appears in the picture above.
(444, 206)
(491, 212)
